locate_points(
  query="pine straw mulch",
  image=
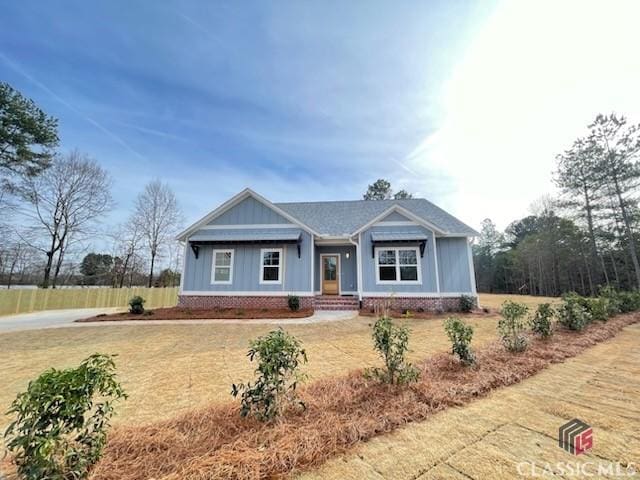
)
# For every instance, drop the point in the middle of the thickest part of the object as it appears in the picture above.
(217, 443)
(181, 313)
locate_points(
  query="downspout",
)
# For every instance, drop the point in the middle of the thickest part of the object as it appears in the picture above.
(358, 266)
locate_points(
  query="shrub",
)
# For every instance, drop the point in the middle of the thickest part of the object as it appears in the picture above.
(467, 303)
(294, 303)
(279, 356)
(540, 322)
(629, 301)
(460, 335)
(573, 313)
(136, 305)
(392, 343)
(598, 308)
(614, 303)
(62, 419)
(511, 326)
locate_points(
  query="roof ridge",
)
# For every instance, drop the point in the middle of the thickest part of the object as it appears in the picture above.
(352, 201)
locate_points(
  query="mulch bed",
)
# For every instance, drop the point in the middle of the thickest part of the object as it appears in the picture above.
(216, 442)
(399, 314)
(178, 313)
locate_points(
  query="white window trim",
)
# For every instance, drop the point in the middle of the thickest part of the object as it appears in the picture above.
(397, 265)
(213, 266)
(280, 266)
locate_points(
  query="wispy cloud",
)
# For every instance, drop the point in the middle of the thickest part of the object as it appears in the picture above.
(68, 105)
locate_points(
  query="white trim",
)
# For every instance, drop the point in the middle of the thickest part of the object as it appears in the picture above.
(213, 266)
(417, 294)
(395, 224)
(333, 241)
(313, 263)
(184, 268)
(472, 273)
(397, 265)
(406, 213)
(358, 264)
(280, 266)
(248, 226)
(435, 257)
(338, 274)
(232, 202)
(252, 293)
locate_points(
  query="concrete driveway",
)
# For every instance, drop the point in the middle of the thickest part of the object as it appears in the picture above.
(49, 318)
(66, 318)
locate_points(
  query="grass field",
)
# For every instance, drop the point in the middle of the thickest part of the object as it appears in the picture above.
(488, 438)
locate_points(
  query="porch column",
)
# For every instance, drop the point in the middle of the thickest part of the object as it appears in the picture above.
(358, 265)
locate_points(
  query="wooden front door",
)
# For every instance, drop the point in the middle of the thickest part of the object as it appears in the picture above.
(330, 274)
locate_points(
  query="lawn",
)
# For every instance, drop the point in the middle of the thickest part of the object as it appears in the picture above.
(489, 437)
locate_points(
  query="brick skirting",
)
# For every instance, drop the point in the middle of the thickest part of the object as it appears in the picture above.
(218, 301)
(428, 304)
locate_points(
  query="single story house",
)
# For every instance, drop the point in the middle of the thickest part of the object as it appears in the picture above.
(250, 252)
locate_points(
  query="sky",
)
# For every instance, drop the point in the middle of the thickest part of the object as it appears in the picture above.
(464, 103)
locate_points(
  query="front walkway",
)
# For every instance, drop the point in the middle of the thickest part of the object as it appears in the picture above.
(67, 318)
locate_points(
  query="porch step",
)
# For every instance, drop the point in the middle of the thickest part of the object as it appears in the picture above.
(331, 302)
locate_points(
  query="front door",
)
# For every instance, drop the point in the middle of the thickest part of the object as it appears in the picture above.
(330, 274)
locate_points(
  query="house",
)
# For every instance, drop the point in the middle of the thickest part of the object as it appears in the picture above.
(250, 252)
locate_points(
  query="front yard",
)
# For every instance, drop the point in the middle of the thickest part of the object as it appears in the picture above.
(170, 369)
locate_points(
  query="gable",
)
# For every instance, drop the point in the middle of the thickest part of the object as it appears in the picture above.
(395, 217)
(249, 212)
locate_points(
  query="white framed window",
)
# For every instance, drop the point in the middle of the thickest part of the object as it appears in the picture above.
(222, 267)
(398, 265)
(271, 261)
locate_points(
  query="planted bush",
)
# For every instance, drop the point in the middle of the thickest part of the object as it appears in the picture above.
(629, 301)
(573, 314)
(614, 303)
(294, 303)
(460, 335)
(136, 305)
(392, 343)
(598, 308)
(511, 326)
(279, 356)
(62, 419)
(467, 303)
(541, 320)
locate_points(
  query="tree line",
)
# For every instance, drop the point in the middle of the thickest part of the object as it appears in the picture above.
(53, 206)
(584, 239)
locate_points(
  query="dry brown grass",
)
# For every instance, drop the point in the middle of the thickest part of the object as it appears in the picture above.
(488, 438)
(171, 369)
(342, 411)
(494, 301)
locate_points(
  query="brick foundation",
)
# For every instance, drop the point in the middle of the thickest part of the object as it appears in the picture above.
(217, 301)
(428, 304)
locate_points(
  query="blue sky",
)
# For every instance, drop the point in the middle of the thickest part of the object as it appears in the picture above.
(314, 100)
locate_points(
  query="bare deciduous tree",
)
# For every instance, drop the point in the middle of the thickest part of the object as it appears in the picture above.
(63, 206)
(159, 216)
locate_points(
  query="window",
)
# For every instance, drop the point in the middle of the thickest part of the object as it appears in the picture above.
(271, 265)
(222, 267)
(398, 265)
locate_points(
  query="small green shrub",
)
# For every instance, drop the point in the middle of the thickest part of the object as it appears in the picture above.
(511, 326)
(62, 419)
(294, 303)
(614, 303)
(467, 303)
(598, 308)
(279, 356)
(406, 313)
(136, 305)
(629, 301)
(540, 322)
(392, 343)
(460, 335)
(573, 313)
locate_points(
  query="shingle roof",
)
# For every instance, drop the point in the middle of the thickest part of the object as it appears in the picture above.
(345, 217)
(397, 236)
(246, 235)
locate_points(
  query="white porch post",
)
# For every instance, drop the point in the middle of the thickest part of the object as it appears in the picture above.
(359, 265)
(435, 258)
(313, 264)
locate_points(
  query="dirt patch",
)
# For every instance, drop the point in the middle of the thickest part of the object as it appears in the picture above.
(177, 313)
(342, 411)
